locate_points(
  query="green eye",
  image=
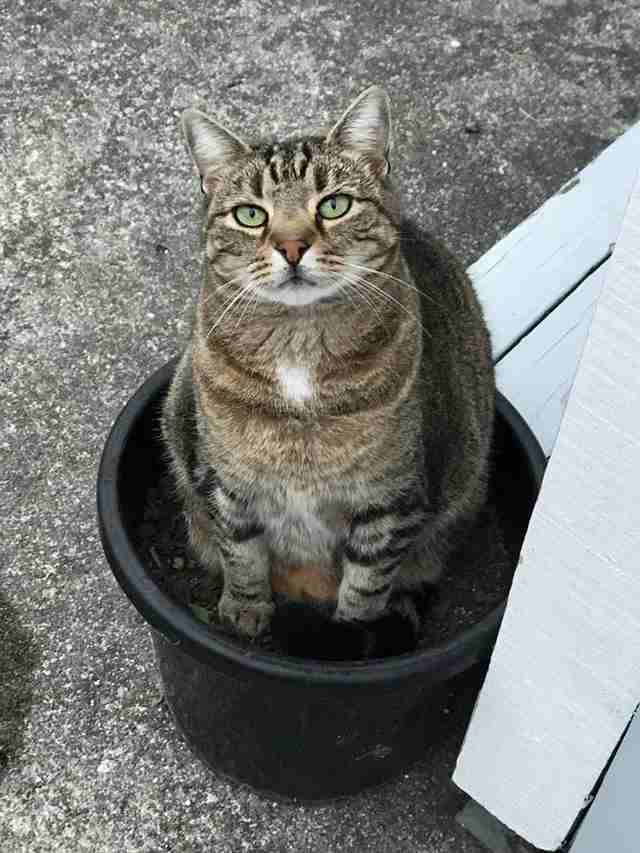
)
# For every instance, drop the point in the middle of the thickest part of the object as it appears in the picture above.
(334, 206)
(250, 216)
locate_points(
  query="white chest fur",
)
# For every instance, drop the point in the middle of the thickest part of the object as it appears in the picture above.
(295, 383)
(300, 531)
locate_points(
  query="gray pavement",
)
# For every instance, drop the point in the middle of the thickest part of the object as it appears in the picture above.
(497, 103)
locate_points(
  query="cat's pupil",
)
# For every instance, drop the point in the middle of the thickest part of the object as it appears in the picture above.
(334, 203)
(252, 212)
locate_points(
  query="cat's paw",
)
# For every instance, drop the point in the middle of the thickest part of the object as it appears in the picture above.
(361, 611)
(249, 619)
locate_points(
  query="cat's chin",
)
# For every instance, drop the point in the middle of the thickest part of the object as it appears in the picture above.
(299, 294)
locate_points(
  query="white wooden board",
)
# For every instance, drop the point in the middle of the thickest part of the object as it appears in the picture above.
(538, 373)
(532, 268)
(565, 674)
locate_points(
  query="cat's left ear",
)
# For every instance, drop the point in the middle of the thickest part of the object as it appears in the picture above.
(365, 128)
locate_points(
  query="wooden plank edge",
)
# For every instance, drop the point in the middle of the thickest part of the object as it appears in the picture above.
(549, 254)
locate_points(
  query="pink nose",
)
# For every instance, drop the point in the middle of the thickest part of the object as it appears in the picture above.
(292, 250)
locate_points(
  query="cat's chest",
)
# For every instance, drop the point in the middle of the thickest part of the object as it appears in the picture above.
(295, 383)
(302, 527)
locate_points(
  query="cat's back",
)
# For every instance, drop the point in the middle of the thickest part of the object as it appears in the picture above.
(458, 385)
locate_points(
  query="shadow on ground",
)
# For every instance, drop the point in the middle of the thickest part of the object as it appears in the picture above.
(18, 661)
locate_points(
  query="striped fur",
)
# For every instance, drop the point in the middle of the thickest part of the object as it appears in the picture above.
(333, 411)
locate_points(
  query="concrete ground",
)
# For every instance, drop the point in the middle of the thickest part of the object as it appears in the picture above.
(497, 103)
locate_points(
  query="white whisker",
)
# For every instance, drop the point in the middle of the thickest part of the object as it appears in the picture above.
(359, 281)
(364, 296)
(391, 278)
(223, 286)
(220, 289)
(233, 301)
(252, 300)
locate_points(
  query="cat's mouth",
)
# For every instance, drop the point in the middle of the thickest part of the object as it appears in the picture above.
(298, 288)
(297, 277)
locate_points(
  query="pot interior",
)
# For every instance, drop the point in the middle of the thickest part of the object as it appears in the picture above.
(134, 459)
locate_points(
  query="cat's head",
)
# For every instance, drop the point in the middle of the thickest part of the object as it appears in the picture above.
(301, 221)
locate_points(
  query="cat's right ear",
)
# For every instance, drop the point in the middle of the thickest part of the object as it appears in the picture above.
(211, 145)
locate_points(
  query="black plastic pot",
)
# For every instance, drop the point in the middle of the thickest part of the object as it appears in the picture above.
(296, 728)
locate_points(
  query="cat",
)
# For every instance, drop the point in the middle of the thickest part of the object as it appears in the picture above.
(333, 411)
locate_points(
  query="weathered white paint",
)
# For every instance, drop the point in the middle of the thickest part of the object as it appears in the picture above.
(538, 373)
(528, 271)
(564, 678)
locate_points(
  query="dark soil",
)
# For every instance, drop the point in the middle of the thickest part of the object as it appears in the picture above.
(476, 580)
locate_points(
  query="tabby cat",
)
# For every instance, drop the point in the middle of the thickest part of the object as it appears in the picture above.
(332, 415)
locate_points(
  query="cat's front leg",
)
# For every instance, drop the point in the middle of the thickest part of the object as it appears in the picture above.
(381, 538)
(246, 604)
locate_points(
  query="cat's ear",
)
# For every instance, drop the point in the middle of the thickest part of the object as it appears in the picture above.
(366, 127)
(211, 145)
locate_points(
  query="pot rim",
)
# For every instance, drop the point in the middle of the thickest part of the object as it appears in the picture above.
(178, 627)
